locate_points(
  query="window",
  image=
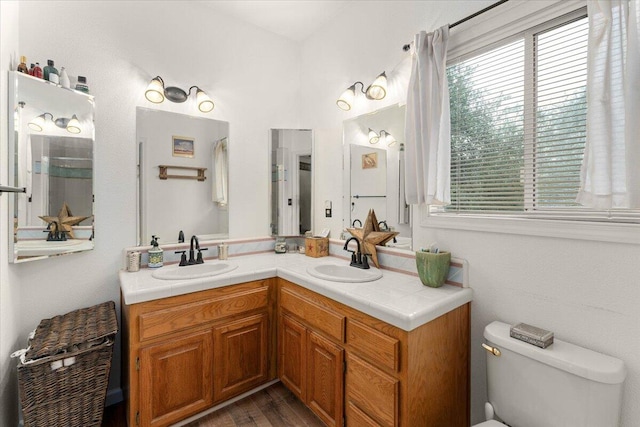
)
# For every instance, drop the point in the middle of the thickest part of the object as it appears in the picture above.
(518, 127)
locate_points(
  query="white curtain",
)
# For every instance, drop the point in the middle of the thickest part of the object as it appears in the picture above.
(427, 126)
(610, 175)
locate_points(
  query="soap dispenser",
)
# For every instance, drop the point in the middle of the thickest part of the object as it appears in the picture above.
(155, 253)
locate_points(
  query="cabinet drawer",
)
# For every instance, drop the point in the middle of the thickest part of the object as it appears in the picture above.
(173, 319)
(372, 391)
(355, 417)
(379, 348)
(318, 317)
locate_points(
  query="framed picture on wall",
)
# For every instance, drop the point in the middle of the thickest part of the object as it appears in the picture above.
(370, 161)
(183, 146)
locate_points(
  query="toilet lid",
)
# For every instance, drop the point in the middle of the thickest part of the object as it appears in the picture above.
(490, 423)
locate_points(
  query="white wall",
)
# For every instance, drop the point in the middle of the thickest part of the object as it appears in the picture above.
(586, 292)
(252, 76)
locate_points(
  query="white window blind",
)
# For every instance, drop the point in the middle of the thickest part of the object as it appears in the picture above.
(518, 127)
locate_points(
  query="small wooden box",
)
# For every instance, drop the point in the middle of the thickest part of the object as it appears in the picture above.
(316, 247)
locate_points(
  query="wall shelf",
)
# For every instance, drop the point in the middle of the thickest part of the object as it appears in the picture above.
(200, 172)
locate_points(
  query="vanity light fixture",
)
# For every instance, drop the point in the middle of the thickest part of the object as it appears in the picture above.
(156, 93)
(38, 123)
(376, 91)
(374, 137)
(72, 125)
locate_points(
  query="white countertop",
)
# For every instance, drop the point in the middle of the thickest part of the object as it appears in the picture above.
(396, 298)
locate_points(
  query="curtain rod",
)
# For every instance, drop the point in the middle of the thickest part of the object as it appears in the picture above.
(406, 47)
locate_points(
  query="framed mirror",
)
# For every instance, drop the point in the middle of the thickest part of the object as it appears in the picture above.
(51, 139)
(373, 178)
(183, 176)
(291, 165)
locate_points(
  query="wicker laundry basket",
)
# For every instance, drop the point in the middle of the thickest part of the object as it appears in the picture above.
(64, 373)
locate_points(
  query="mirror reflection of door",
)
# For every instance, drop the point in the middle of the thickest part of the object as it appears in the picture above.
(373, 178)
(291, 181)
(304, 179)
(368, 182)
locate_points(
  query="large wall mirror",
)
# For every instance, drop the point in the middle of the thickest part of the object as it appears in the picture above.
(373, 152)
(51, 142)
(183, 176)
(291, 165)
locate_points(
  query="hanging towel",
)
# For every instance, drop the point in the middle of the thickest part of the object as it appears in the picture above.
(220, 167)
(403, 208)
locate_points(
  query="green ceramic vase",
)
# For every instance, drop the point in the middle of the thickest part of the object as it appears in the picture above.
(433, 269)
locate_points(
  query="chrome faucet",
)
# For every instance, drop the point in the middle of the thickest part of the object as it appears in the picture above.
(357, 258)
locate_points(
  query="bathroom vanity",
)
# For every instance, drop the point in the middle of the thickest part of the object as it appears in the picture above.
(192, 344)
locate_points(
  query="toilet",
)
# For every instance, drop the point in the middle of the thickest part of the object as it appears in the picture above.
(563, 385)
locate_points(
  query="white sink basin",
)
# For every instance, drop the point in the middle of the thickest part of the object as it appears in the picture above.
(42, 247)
(344, 273)
(196, 271)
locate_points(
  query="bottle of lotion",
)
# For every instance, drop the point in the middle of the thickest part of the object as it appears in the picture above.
(51, 72)
(155, 254)
(64, 79)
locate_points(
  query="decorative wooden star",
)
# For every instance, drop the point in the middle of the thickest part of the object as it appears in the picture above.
(65, 220)
(370, 236)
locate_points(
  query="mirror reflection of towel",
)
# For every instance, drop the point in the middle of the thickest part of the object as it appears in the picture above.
(220, 167)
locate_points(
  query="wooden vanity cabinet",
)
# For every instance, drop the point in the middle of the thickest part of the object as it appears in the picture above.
(311, 356)
(390, 377)
(187, 353)
(190, 352)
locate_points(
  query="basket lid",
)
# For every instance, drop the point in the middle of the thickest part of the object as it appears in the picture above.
(61, 333)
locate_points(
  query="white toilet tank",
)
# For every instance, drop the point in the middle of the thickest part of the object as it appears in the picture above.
(563, 385)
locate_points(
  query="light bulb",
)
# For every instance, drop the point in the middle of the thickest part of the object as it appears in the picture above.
(378, 88)
(205, 104)
(74, 125)
(37, 124)
(373, 137)
(346, 99)
(155, 91)
(391, 141)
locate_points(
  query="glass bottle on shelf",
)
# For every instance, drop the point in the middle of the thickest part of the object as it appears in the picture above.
(82, 84)
(37, 71)
(51, 72)
(33, 66)
(64, 79)
(22, 67)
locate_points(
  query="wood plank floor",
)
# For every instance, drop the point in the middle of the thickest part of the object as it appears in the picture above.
(274, 406)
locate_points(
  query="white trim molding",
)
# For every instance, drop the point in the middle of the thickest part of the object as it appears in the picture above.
(579, 230)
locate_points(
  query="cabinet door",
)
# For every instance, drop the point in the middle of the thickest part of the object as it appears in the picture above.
(240, 356)
(371, 391)
(175, 379)
(292, 356)
(325, 373)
